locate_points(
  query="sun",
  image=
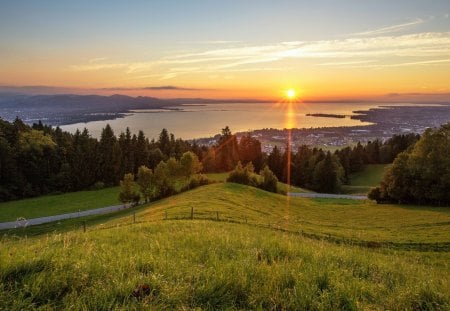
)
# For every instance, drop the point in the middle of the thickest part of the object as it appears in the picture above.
(291, 93)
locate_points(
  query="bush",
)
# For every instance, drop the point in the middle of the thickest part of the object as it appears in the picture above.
(269, 180)
(195, 181)
(244, 175)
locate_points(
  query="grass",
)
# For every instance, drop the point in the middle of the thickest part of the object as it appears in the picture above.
(370, 176)
(339, 220)
(267, 251)
(362, 182)
(282, 187)
(343, 219)
(58, 204)
(83, 200)
(214, 266)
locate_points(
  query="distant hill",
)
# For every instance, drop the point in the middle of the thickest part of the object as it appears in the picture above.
(69, 108)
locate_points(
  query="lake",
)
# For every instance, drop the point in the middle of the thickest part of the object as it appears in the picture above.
(205, 120)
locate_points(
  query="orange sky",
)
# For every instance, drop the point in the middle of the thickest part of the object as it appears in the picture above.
(231, 50)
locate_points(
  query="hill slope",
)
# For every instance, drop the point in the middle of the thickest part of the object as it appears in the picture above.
(210, 264)
(345, 219)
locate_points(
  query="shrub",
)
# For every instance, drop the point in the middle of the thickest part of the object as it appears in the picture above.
(244, 175)
(269, 180)
(128, 194)
(195, 181)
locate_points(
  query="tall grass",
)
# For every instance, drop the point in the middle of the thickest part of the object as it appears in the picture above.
(214, 266)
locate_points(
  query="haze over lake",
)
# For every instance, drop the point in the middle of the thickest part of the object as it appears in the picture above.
(196, 121)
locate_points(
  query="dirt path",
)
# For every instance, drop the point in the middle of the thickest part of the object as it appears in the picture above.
(43, 220)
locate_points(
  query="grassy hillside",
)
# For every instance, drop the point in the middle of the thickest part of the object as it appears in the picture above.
(58, 204)
(370, 176)
(264, 252)
(79, 201)
(222, 177)
(342, 219)
(215, 266)
(362, 182)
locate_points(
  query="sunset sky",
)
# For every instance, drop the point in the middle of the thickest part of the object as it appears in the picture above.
(227, 49)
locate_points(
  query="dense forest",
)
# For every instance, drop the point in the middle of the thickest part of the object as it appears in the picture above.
(39, 159)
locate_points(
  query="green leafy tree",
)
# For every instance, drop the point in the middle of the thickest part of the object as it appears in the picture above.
(128, 193)
(276, 163)
(227, 151)
(190, 164)
(421, 174)
(328, 175)
(269, 180)
(163, 180)
(146, 183)
(250, 151)
(110, 157)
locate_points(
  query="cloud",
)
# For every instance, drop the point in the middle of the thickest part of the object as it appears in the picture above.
(347, 63)
(95, 67)
(383, 51)
(96, 60)
(220, 42)
(390, 29)
(404, 64)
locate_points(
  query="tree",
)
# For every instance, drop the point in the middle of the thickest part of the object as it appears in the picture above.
(275, 162)
(327, 175)
(110, 157)
(128, 154)
(164, 143)
(146, 183)
(421, 174)
(141, 151)
(127, 193)
(226, 153)
(250, 151)
(164, 184)
(209, 161)
(189, 164)
(269, 180)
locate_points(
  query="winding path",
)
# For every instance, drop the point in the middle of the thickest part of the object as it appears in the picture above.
(43, 220)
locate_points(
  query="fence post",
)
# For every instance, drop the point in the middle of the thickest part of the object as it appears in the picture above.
(84, 226)
(217, 216)
(192, 212)
(165, 214)
(134, 217)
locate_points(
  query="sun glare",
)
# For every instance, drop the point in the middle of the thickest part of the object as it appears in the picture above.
(291, 94)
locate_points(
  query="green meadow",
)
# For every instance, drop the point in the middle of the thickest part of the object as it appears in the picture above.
(58, 204)
(361, 182)
(244, 248)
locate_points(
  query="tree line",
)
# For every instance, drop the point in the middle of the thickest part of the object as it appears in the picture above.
(40, 159)
(324, 171)
(421, 174)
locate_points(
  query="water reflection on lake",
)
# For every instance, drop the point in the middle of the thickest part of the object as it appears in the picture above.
(195, 121)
